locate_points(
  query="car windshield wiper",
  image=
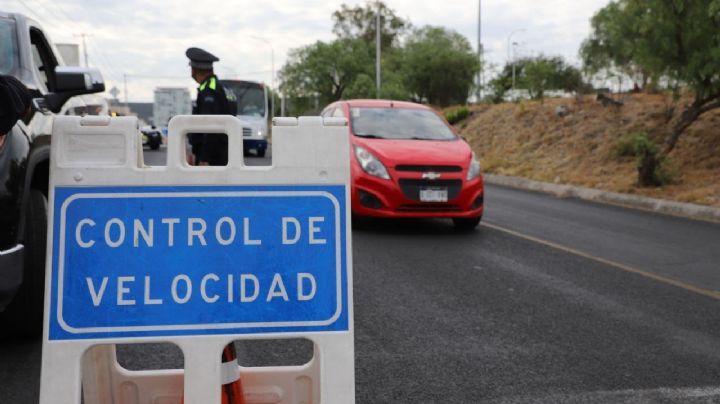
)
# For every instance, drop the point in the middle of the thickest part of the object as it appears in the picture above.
(369, 136)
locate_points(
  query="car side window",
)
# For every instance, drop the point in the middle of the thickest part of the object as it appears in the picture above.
(328, 112)
(43, 58)
(339, 113)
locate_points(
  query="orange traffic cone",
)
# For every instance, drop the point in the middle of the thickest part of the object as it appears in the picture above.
(232, 391)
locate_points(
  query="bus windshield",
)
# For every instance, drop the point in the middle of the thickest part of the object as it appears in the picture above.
(250, 97)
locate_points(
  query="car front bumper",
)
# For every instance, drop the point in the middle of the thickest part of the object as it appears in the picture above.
(11, 273)
(254, 144)
(376, 197)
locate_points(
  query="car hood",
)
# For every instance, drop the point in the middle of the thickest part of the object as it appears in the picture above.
(418, 152)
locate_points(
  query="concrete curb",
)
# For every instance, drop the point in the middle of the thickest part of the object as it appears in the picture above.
(589, 194)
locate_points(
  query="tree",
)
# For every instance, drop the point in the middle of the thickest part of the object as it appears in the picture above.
(538, 75)
(612, 45)
(675, 39)
(327, 69)
(360, 23)
(438, 66)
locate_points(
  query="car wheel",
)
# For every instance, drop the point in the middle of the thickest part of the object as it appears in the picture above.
(155, 145)
(467, 224)
(261, 153)
(24, 316)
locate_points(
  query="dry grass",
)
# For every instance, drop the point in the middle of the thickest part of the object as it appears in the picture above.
(528, 140)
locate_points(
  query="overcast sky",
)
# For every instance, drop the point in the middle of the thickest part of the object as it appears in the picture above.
(139, 38)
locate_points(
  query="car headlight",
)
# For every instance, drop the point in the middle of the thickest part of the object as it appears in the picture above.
(370, 164)
(260, 132)
(474, 170)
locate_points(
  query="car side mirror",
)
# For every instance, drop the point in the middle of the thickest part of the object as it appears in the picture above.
(72, 81)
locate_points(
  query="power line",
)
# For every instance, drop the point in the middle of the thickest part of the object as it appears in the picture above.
(103, 62)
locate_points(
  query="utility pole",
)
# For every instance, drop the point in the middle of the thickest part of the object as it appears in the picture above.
(126, 93)
(377, 51)
(83, 35)
(480, 54)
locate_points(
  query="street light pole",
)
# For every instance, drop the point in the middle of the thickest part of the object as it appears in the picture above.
(83, 36)
(509, 60)
(480, 53)
(272, 67)
(377, 51)
(509, 39)
(513, 67)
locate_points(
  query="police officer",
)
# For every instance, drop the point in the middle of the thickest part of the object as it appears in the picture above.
(208, 149)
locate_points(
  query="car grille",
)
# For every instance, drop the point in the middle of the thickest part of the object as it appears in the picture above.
(423, 169)
(429, 208)
(247, 132)
(411, 188)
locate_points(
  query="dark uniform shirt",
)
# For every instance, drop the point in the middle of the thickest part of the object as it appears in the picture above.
(211, 100)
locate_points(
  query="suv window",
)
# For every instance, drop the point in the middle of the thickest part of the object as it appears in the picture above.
(8, 48)
(43, 58)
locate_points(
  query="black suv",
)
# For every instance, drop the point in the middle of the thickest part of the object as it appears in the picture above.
(27, 54)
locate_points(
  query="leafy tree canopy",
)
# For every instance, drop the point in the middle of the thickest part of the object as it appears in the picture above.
(438, 66)
(678, 40)
(326, 69)
(361, 21)
(538, 75)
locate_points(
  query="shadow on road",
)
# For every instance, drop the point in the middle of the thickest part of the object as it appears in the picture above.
(409, 227)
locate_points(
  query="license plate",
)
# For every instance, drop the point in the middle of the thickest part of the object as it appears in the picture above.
(434, 195)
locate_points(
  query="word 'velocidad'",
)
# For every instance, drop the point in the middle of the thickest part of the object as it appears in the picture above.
(246, 288)
(116, 232)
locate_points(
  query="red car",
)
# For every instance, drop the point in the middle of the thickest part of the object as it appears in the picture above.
(407, 161)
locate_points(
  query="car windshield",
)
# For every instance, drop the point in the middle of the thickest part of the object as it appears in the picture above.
(250, 97)
(399, 123)
(8, 48)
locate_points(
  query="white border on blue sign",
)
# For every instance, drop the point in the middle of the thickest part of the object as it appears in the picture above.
(188, 327)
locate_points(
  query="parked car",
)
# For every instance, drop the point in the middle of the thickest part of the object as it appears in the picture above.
(151, 137)
(407, 161)
(28, 54)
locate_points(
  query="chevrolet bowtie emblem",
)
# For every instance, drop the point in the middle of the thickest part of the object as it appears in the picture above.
(430, 175)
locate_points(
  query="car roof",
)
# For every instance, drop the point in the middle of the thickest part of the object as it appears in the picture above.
(384, 104)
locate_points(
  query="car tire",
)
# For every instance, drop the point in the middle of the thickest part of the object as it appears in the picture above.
(261, 153)
(155, 145)
(467, 224)
(23, 318)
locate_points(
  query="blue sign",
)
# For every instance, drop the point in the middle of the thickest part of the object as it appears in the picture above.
(168, 261)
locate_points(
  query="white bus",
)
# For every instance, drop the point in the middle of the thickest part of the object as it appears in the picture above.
(253, 109)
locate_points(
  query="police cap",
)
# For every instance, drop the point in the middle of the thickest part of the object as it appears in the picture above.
(200, 58)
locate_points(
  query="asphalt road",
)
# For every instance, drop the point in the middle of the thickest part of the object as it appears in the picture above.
(551, 300)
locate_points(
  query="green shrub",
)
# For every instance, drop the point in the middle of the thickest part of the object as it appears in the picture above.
(651, 164)
(624, 147)
(456, 115)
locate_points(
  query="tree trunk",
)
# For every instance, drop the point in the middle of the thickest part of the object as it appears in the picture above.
(687, 118)
(647, 166)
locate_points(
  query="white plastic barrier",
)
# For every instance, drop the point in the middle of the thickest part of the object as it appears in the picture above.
(113, 271)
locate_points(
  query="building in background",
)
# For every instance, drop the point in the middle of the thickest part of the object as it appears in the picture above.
(170, 101)
(70, 53)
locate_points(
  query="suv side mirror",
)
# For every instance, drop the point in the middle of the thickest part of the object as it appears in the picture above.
(72, 81)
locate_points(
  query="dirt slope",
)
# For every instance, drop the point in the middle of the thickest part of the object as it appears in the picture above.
(529, 140)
